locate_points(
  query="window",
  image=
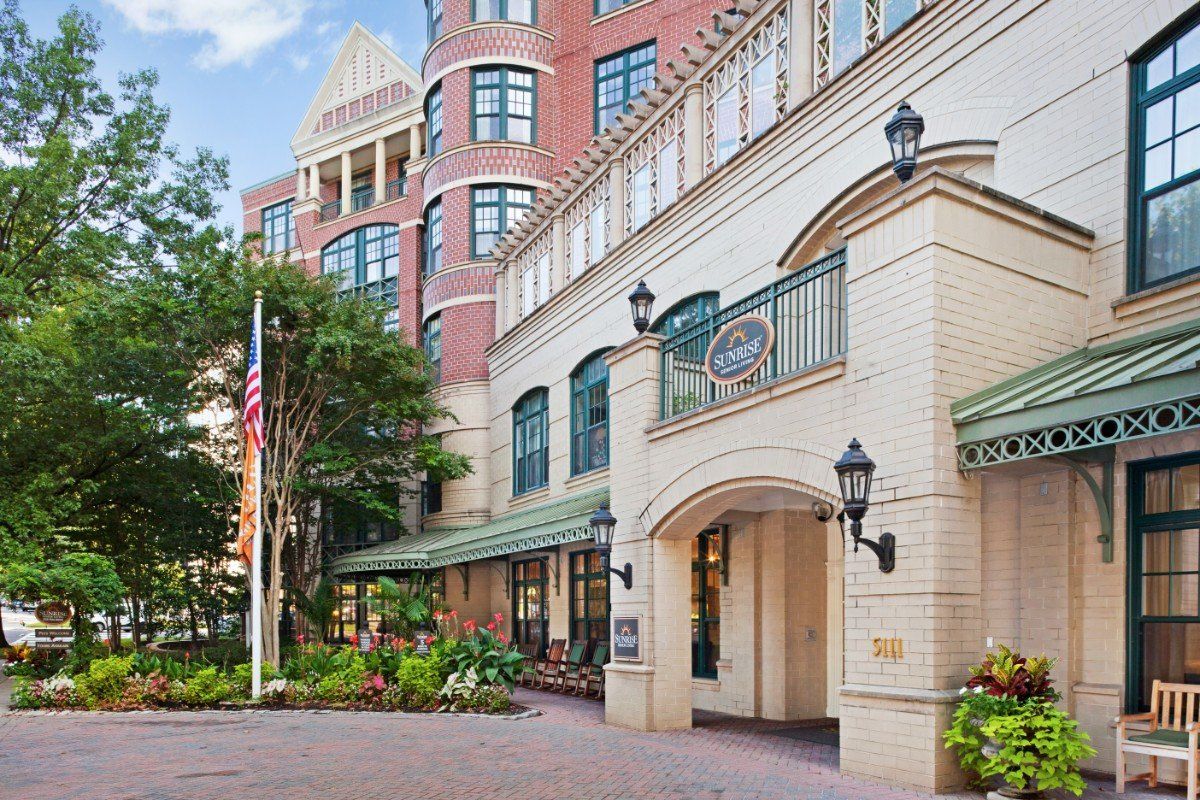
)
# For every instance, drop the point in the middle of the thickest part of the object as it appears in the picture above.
(433, 237)
(433, 121)
(706, 602)
(1165, 213)
(495, 209)
(604, 6)
(367, 261)
(531, 614)
(511, 10)
(654, 172)
(278, 228)
(437, 589)
(531, 445)
(589, 597)
(619, 78)
(432, 336)
(589, 416)
(431, 497)
(435, 20)
(587, 230)
(845, 29)
(686, 313)
(1164, 574)
(727, 125)
(503, 105)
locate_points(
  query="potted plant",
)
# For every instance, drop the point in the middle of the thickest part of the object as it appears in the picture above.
(1007, 726)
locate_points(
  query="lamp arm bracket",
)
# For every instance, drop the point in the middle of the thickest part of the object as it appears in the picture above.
(626, 575)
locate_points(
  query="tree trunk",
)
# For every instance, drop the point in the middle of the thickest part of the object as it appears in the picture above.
(3, 638)
(192, 622)
(135, 620)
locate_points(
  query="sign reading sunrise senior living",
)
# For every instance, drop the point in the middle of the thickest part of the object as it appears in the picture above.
(739, 349)
(627, 638)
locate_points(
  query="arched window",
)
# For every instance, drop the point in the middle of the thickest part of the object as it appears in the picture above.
(367, 261)
(432, 336)
(531, 441)
(685, 313)
(1165, 190)
(589, 415)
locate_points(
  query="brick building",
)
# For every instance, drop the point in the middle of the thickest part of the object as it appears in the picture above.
(1012, 334)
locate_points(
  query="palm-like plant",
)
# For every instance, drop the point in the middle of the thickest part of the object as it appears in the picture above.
(318, 609)
(404, 609)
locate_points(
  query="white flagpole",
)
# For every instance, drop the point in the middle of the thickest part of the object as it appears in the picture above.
(256, 589)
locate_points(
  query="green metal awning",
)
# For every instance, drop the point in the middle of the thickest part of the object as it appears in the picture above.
(554, 523)
(1143, 386)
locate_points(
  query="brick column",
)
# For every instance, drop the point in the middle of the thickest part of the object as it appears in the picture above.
(693, 135)
(380, 171)
(345, 183)
(655, 694)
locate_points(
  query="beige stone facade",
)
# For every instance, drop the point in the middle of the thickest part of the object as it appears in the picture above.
(1007, 250)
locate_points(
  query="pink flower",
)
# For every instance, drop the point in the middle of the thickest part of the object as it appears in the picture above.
(498, 617)
(300, 638)
(503, 639)
(491, 626)
(469, 625)
(437, 615)
(454, 614)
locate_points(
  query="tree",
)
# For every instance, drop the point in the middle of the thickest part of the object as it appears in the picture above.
(403, 609)
(85, 580)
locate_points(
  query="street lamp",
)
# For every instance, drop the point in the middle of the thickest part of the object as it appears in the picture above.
(641, 300)
(854, 470)
(603, 524)
(903, 133)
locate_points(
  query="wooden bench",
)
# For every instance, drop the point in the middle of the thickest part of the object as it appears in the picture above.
(1174, 733)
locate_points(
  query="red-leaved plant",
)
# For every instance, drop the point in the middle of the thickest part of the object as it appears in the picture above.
(1007, 673)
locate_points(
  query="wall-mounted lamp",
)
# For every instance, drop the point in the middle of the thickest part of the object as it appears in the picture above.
(903, 133)
(641, 300)
(603, 524)
(854, 470)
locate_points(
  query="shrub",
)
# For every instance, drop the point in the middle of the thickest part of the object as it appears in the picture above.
(311, 662)
(58, 691)
(206, 687)
(342, 686)
(151, 692)
(488, 653)
(419, 680)
(104, 682)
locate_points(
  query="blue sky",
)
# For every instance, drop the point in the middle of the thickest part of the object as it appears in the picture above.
(237, 74)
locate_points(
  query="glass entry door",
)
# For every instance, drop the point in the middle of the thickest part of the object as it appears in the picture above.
(531, 612)
(706, 602)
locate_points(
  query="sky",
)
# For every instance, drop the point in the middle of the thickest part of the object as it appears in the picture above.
(238, 75)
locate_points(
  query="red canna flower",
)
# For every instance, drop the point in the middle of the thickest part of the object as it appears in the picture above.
(498, 617)
(454, 614)
(491, 626)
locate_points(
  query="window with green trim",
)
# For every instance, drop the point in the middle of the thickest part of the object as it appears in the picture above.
(1165, 185)
(531, 600)
(433, 121)
(706, 602)
(618, 78)
(495, 209)
(589, 597)
(432, 336)
(504, 103)
(435, 19)
(1164, 574)
(366, 261)
(278, 228)
(433, 237)
(531, 441)
(686, 313)
(589, 416)
(511, 10)
(604, 6)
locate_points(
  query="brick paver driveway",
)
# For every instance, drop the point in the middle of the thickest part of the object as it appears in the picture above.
(566, 754)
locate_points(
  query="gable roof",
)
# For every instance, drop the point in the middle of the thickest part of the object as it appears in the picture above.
(365, 72)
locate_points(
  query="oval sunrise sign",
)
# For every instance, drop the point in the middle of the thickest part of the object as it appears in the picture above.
(739, 349)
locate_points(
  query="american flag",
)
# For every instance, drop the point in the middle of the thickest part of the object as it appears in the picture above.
(252, 418)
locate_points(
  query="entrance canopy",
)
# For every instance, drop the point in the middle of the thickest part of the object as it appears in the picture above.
(547, 525)
(1142, 386)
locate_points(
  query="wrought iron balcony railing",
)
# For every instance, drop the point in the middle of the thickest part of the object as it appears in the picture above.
(331, 210)
(397, 188)
(808, 311)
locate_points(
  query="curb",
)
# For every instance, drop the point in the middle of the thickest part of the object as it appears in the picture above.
(42, 712)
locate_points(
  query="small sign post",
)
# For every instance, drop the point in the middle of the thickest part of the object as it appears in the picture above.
(739, 349)
(53, 612)
(421, 642)
(364, 640)
(627, 638)
(53, 639)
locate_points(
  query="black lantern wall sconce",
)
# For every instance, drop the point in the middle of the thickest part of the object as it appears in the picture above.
(903, 133)
(854, 470)
(603, 524)
(641, 301)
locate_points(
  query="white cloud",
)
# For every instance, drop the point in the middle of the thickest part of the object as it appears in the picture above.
(235, 31)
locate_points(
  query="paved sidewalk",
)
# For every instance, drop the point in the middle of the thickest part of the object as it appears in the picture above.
(566, 754)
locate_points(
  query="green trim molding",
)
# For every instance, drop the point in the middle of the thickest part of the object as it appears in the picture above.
(1142, 386)
(547, 525)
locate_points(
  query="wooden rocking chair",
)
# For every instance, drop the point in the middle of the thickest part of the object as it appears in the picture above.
(547, 668)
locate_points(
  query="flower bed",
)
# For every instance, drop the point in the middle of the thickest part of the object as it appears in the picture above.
(467, 668)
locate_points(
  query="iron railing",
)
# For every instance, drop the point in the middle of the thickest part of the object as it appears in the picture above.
(397, 188)
(808, 310)
(331, 210)
(361, 199)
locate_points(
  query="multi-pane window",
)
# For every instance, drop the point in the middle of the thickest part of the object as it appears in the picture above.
(433, 237)
(533, 267)
(531, 441)
(619, 78)
(706, 602)
(503, 104)
(589, 597)
(433, 121)
(432, 336)
(435, 19)
(1164, 586)
(511, 10)
(686, 313)
(531, 612)
(845, 29)
(604, 6)
(1166, 144)
(589, 416)
(362, 190)
(495, 209)
(278, 228)
(367, 261)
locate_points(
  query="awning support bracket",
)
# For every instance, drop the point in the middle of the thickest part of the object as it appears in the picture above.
(503, 576)
(1102, 493)
(465, 571)
(554, 568)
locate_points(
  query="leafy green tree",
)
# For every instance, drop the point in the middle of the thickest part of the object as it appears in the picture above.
(403, 609)
(85, 580)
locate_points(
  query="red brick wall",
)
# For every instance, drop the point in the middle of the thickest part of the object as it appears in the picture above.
(466, 282)
(254, 200)
(467, 330)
